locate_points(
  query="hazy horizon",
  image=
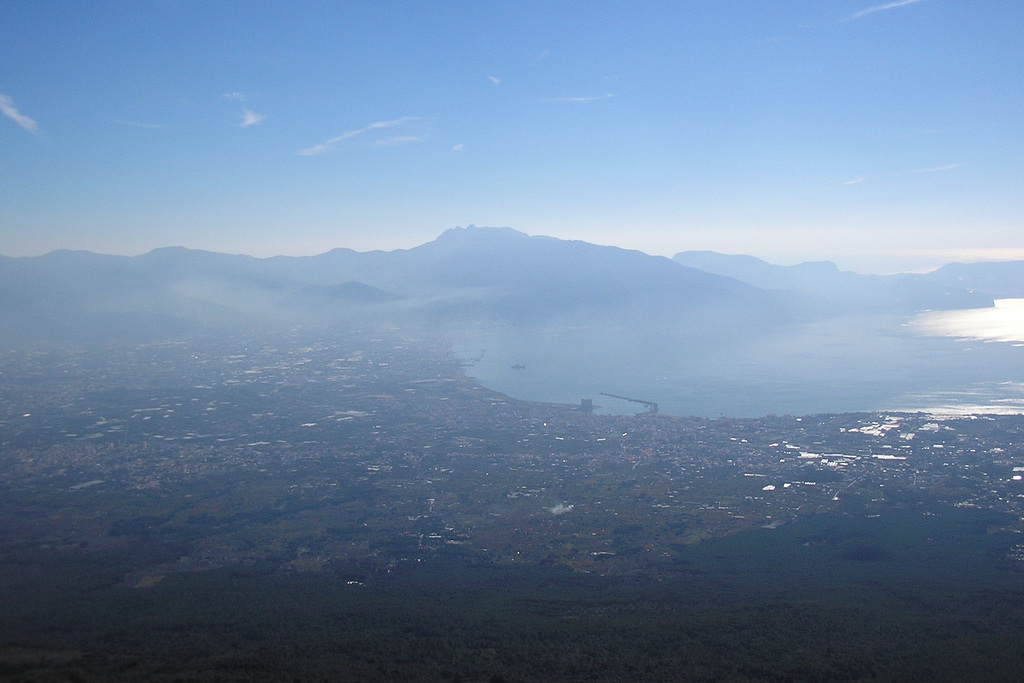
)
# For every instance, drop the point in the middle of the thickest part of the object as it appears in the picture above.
(920, 263)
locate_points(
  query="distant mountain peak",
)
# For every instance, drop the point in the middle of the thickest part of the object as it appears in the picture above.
(818, 267)
(476, 233)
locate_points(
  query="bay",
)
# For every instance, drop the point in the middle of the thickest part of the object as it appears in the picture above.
(925, 363)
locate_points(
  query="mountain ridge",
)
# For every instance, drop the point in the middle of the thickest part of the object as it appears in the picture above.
(466, 275)
(826, 283)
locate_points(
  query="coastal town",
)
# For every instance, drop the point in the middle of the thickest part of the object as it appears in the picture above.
(377, 448)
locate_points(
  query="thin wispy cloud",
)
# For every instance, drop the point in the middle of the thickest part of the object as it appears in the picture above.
(136, 124)
(880, 8)
(235, 96)
(396, 141)
(583, 100)
(856, 181)
(8, 109)
(251, 118)
(459, 147)
(936, 169)
(494, 79)
(316, 150)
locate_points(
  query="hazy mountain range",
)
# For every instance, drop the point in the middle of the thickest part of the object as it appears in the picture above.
(466, 276)
(951, 287)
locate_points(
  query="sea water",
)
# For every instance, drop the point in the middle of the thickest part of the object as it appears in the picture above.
(947, 363)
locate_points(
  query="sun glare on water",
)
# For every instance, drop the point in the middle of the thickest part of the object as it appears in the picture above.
(1002, 323)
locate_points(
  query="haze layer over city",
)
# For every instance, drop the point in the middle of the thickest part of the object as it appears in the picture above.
(511, 341)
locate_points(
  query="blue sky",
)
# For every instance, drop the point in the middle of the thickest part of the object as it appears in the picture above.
(883, 135)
